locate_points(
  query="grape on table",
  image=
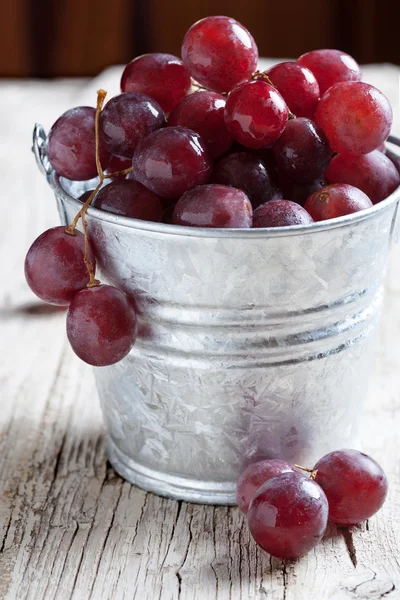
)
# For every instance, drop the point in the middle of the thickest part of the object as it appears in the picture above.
(288, 515)
(253, 478)
(354, 483)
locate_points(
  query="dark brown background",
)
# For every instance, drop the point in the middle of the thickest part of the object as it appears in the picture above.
(47, 38)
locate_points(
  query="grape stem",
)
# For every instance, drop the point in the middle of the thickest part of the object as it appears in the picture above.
(312, 472)
(260, 75)
(93, 282)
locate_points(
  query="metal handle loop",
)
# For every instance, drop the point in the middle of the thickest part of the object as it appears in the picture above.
(39, 145)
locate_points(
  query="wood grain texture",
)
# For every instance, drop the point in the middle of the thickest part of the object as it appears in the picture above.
(69, 526)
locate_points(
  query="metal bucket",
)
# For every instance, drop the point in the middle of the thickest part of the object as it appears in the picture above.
(253, 343)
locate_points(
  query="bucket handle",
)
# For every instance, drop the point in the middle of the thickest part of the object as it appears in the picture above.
(39, 149)
(395, 227)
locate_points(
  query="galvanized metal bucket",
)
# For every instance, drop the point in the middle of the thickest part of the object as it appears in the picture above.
(253, 343)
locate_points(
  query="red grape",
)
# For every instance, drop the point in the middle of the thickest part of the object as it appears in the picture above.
(254, 476)
(355, 117)
(170, 161)
(129, 198)
(288, 515)
(281, 213)
(203, 112)
(126, 119)
(297, 86)
(219, 53)
(330, 67)
(299, 192)
(302, 152)
(213, 206)
(163, 77)
(83, 197)
(373, 173)
(336, 200)
(71, 145)
(54, 266)
(101, 325)
(256, 114)
(118, 164)
(248, 172)
(355, 485)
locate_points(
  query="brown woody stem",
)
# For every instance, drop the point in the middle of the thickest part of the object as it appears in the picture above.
(101, 94)
(313, 472)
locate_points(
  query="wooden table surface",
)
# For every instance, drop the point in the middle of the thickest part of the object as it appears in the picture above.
(69, 526)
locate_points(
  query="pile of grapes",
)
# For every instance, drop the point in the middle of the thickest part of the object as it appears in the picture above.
(209, 141)
(288, 512)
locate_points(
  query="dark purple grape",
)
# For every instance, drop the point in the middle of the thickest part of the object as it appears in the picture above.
(171, 161)
(219, 53)
(101, 325)
(254, 476)
(248, 172)
(71, 145)
(213, 205)
(256, 114)
(83, 197)
(299, 192)
(54, 266)
(281, 213)
(372, 173)
(129, 198)
(302, 152)
(203, 112)
(354, 483)
(118, 164)
(288, 515)
(128, 118)
(163, 77)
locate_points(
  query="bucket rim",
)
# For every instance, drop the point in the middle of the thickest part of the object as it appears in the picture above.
(223, 233)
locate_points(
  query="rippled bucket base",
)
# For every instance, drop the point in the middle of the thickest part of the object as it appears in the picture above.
(171, 486)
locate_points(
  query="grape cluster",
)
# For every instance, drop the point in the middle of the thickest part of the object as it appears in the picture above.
(288, 507)
(206, 140)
